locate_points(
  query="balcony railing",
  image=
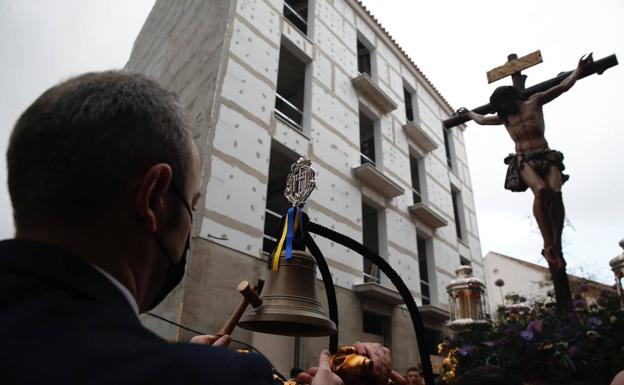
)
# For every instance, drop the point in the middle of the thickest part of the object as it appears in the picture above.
(295, 18)
(271, 226)
(365, 159)
(288, 111)
(416, 195)
(371, 278)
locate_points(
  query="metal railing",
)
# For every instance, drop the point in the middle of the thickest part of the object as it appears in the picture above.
(371, 278)
(365, 159)
(299, 21)
(266, 237)
(416, 195)
(292, 114)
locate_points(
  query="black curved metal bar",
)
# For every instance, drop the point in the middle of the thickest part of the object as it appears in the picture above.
(385, 267)
(329, 288)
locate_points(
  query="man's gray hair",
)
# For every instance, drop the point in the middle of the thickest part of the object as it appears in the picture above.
(74, 151)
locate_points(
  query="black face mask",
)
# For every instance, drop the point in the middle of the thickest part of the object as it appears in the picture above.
(176, 270)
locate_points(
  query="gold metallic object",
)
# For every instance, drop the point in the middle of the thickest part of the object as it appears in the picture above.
(351, 367)
(448, 371)
(290, 304)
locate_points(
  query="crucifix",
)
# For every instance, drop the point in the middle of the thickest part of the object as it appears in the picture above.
(534, 165)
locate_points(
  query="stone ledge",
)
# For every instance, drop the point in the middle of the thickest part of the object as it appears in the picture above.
(434, 312)
(371, 176)
(427, 215)
(420, 137)
(380, 293)
(368, 88)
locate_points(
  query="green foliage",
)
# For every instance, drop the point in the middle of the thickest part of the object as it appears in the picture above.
(540, 344)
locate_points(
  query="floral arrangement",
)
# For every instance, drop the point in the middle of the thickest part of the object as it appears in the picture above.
(542, 344)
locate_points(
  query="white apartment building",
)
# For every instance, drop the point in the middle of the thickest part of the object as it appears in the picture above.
(266, 81)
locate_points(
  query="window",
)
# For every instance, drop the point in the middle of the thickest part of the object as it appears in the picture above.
(464, 261)
(416, 191)
(296, 11)
(421, 245)
(447, 147)
(376, 327)
(409, 106)
(364, 59)
(457, 212)
(370, 239)
(290, 88)
(367, 139)
(276, 203)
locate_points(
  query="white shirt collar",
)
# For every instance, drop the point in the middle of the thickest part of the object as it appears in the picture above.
(124, 290)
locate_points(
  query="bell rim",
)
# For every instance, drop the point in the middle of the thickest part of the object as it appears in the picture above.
(323, 326)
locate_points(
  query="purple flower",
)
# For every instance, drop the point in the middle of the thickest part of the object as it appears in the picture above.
(565, 331)
(593, 322)
(579, 304)
(527, 335)
(536, 326)
(584, 288)
(514, 310)
(574, 351)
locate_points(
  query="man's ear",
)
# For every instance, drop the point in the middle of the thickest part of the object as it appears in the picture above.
(151, 194)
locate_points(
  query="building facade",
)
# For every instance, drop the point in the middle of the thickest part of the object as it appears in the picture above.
(264, 82)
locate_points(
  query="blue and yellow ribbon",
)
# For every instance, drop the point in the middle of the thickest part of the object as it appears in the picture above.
(288, 233)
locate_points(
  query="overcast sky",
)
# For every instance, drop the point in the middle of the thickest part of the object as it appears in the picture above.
(454, 43)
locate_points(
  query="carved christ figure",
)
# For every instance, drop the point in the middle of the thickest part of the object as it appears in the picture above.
(534, 165)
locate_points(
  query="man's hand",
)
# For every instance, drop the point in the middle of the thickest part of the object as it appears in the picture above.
(321, 375)
(207, 339)
(586, 60)
(382, 362)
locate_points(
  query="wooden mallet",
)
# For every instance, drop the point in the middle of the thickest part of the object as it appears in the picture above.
(251, 296)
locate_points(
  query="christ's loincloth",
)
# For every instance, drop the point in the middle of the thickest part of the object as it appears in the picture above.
(539, 160)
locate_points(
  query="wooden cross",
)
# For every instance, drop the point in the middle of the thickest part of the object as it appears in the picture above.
(513, 68)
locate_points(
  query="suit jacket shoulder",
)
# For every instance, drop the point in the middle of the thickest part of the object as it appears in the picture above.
(62, 321)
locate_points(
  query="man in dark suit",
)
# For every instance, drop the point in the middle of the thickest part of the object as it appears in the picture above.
(103, 178)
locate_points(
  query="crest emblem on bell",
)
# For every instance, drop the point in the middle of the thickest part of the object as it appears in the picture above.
(300, 182)
(290, 305)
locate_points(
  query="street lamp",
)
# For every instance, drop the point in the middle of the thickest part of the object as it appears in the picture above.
(617, 265)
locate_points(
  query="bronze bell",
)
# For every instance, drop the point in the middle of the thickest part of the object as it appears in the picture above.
(289, 302)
